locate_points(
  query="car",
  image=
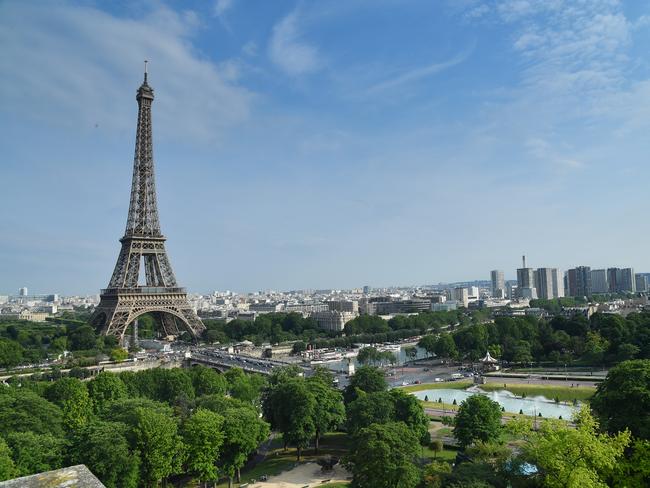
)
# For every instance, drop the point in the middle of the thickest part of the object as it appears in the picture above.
(438, 380)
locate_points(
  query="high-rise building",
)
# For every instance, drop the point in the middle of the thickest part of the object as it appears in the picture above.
(23, 292)
(548, 283)
(526, 281)
(579, 281)
(498, 283)
(558, 283)
(641, 282)
(613, 279)
(628, 283)
(599, 281)
(461, 295)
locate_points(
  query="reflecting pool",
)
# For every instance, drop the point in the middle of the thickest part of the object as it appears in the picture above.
(531, 405)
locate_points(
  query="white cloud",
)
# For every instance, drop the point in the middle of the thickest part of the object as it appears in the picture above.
(80, 66)
(288, 51)
(222, 6)
(419, 73)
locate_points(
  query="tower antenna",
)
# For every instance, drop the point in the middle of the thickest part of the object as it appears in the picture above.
(145, 70)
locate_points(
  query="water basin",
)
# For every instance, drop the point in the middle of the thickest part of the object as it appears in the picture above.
(532, 405)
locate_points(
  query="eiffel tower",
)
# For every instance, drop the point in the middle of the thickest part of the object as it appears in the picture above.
(143, 243)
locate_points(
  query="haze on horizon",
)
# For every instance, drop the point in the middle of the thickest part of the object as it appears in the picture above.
(326, 144)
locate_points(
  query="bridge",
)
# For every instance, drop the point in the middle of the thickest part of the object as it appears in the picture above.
(223, 361)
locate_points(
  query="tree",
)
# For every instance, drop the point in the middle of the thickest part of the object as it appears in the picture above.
(35, 453)
(633, 471)
(436, 446)
(409, 410)
(567, 457)
(119, 354)
(383, 457)
(329, 411)
(161, 448)
(207, 381)
(368, 409)
(11, 353)
(411, 352)
(445, 347)
(203, 436)
(243, 432)
(435, 472)
(245, 387)
(72, 396)
(105, 388)
(478, 419)
(368, 379)
(103, 447)
(7, 467)
(83, 338)
(428, 343)
(24, 411)
(622, 401)
(292, 406)
(298, 347)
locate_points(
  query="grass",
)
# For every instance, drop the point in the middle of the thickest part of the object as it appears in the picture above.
(455, 385)
(563, 393)
(339, 484)
(441, 406)
(447, 454)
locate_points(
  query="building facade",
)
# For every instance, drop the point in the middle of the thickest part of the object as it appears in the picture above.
(498, 283)
(599, 281)
(579, 281)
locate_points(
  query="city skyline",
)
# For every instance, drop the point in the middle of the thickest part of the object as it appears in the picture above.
(370, 164)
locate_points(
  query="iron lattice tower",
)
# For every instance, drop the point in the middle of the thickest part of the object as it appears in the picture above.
(143, 244)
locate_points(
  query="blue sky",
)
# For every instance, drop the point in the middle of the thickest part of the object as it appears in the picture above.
(318, 144)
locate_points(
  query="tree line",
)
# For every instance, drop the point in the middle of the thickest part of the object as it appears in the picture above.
(601, 339)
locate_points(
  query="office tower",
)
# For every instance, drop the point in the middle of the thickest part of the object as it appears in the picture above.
(549, 283)
(544, 283)
(599, 282)
(628, 284)
(558, 283)
(366, 289)
(526, 281)
(23, 292)
(498, 282)
(579, 281)
(461, 295)
(641, 282)
(613, 279)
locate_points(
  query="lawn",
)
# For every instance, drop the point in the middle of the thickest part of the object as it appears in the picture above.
(563, 393)
(455, 385)
(447, 454)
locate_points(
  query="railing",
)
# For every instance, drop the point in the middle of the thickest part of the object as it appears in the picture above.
(143, 290)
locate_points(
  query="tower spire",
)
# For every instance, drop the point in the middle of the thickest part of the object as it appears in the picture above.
(145, 70)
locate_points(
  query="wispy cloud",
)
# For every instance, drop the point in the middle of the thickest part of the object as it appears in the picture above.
(288, 51)
(417, 74)
(222, 6)
(91, 69)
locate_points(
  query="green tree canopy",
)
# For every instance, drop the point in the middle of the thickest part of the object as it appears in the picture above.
(7, 468)
(35, 453)
(568, 457)
(161, 448)
(368, 379)
(207, 381)
(243, 432)
(622, 401)
(104, 449)
(203, 437)
(383, 456)
(105, 388)
(329, 411)
(72, 396)
(22, 410)
(478, 419)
